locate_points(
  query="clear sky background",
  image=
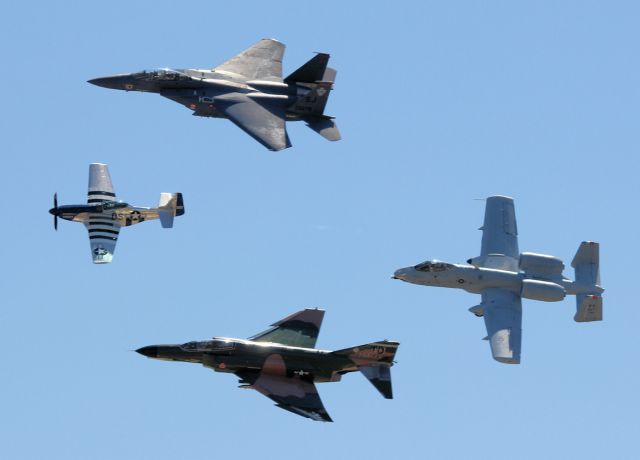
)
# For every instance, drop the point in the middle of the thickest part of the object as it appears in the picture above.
(438, 104)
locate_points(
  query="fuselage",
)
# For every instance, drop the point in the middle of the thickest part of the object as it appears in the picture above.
(236, 355)
(476, 279)
(197, 88)
(104, 212)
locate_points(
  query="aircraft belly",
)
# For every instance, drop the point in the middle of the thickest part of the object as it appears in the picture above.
(199, 100)
(80, 217)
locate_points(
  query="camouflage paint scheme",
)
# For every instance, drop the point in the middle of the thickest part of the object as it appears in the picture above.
(104, 216)
(282, 363)
(249, 90)
(503, 276)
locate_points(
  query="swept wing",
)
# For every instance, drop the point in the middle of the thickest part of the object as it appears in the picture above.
(261, 61)
(264, 124)
(294, 394)
(298, 330)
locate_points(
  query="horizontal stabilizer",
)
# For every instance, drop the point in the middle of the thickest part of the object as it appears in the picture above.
(171, 205)
(380, 377)
(311, 71)
(589, 308)
(586, 263)
(324, 126)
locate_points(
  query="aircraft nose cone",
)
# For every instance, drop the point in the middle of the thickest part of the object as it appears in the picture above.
(114, 82)
(52, 211)
(149, 352)
(398, 274)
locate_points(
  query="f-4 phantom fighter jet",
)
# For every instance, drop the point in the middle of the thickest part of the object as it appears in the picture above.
(248, 89)
(503, 276)
(103, 215)
(282, 363)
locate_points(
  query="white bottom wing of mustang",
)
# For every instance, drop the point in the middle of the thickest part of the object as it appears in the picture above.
(102, 247)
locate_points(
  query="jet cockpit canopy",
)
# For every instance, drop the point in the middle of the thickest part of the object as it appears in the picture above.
(162, 75)
(189, 346)
(432, 266)
(215, 345)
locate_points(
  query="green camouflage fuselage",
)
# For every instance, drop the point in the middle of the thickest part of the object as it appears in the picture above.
(236, 355)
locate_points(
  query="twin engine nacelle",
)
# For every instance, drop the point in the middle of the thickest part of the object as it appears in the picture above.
(542, 290)
(540, 264)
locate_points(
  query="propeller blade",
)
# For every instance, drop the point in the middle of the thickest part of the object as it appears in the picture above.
(55, 206)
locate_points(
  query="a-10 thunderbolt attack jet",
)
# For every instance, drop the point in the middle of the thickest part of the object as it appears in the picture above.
(503, 276)
(249, 90)
(103, 215)
(282, 363)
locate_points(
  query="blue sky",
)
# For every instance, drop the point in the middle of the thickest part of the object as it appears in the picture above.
(438, 104)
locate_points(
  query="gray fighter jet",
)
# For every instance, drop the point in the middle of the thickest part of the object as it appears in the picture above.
(104, 216)
(282, 363)
(248, 89)
(503, 276)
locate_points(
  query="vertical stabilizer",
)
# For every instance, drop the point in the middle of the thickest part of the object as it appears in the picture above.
(380, 377)
(374, 360)
(311, 71)
(586, 264)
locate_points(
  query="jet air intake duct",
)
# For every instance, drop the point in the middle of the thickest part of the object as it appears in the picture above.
(542, 290)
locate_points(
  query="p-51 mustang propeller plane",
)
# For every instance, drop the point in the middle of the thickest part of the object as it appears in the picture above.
(103, 215)
(503, 276)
